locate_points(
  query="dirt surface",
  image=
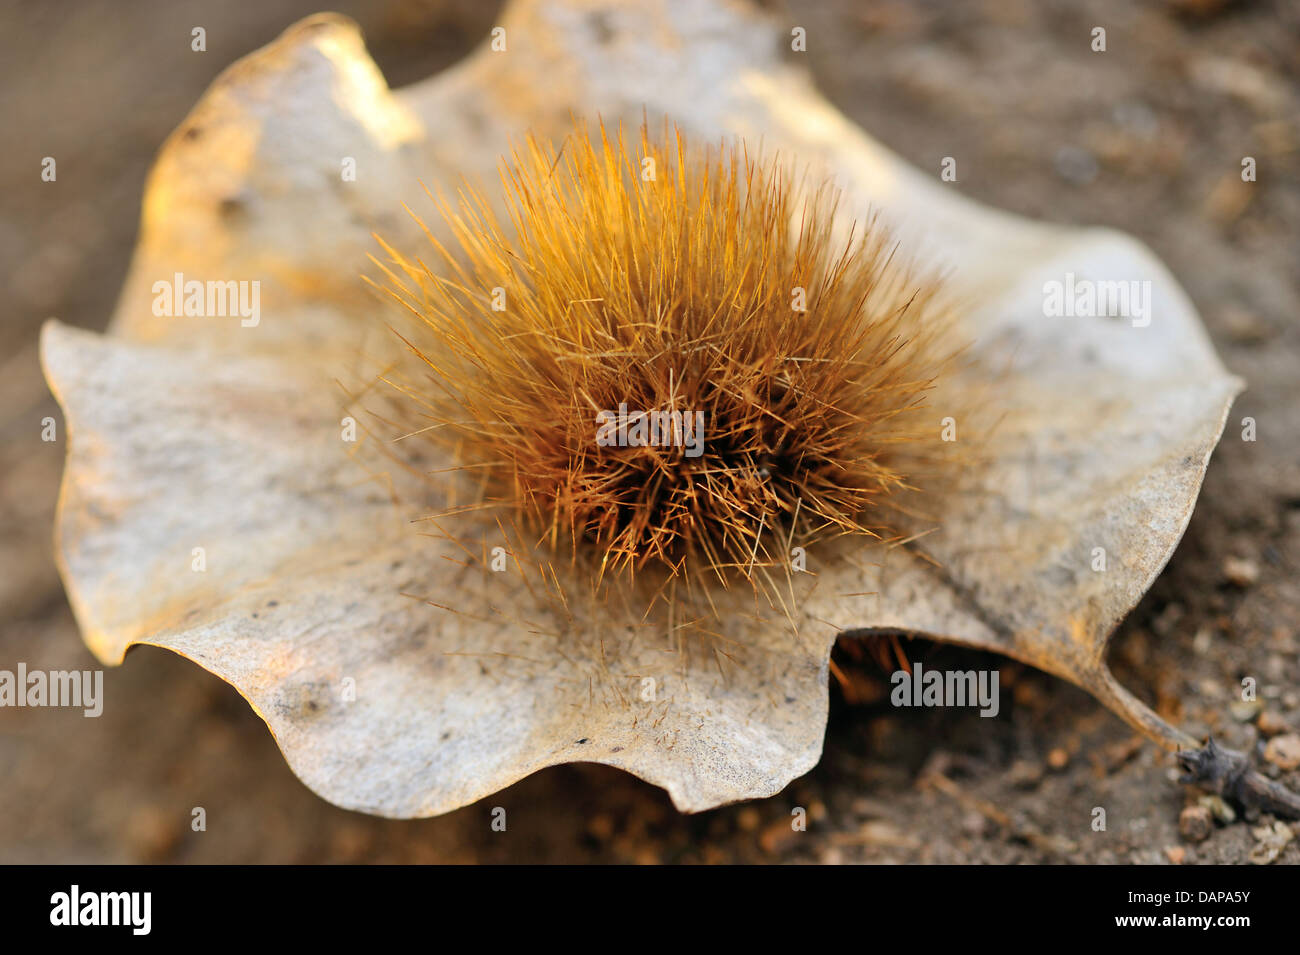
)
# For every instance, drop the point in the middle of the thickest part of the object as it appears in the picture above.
(1147, 137)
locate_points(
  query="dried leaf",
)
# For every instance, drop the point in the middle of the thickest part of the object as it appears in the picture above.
(315, 600)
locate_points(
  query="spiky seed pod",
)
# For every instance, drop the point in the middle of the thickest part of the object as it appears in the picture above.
(688, 287)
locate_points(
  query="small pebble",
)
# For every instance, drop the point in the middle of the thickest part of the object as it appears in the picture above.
(1219, 808)
(1195, 823)
(601, 827)
(1272, 840)
(1284, 751)
(1245, 327)
(1228, 199)
(1271, 724)
(1240, 571)
(1276, 667)
(1137, 118)
(1177, 855)
(1245, 711)
(1025, 774)
(1075, 165)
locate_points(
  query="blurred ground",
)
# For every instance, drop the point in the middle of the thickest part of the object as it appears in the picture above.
(1147, 137)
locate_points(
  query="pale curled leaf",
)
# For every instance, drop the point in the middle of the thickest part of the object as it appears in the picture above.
(199, 433)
